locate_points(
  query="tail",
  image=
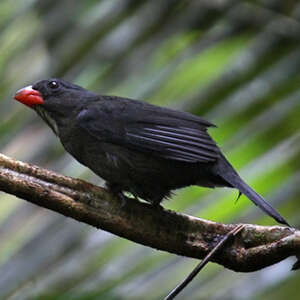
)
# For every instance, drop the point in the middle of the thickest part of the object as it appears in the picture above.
(258, 200)
(226, 171)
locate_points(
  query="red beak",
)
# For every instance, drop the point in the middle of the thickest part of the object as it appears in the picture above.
(29, 96)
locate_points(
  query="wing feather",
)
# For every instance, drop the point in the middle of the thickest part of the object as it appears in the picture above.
(158, 131)
(175, 143)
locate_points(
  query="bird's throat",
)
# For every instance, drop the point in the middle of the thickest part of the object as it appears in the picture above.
(46, 116)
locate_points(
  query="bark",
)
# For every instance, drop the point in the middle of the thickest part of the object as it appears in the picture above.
(254, 248)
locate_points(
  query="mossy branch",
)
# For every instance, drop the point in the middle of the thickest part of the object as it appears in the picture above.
(254, 248)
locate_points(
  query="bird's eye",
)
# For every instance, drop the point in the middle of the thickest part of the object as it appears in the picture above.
(53, 85)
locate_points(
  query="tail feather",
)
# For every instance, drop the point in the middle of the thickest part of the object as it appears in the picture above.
(224, 169)
(258, 200)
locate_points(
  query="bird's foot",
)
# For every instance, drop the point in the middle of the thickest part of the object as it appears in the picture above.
(157, 205)
(123, 199)
(117, 191)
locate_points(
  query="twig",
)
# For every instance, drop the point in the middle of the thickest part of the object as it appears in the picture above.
(203, 263)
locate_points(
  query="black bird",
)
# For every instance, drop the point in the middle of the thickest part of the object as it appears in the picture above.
(136, 147)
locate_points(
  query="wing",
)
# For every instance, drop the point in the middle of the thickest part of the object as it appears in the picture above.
(161, 132)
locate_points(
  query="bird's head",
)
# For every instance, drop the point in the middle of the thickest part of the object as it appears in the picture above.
(54, 99)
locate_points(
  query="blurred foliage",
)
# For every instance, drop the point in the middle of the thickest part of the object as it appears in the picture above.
(235, 63)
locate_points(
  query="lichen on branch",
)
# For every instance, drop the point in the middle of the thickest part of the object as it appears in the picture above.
(254, 248)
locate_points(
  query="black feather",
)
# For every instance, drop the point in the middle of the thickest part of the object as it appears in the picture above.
(137, 147)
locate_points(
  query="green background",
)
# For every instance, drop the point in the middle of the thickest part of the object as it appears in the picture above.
(235, 63)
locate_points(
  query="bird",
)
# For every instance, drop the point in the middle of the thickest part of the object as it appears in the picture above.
(136, 147)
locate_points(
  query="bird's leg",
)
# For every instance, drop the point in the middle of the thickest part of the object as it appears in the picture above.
(158, 198)
(116, 190)
(157, 206)
(136, 197)
(155, 203)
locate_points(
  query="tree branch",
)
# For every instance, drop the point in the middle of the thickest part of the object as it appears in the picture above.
(255, 248)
